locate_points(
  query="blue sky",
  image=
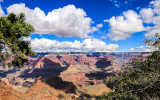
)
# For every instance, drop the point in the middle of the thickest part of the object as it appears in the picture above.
(88, 25)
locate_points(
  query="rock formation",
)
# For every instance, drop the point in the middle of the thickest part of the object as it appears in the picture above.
(59, 84)
(80, 70)
(38, 91)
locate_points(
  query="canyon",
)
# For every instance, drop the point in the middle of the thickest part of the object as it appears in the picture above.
(66, 75)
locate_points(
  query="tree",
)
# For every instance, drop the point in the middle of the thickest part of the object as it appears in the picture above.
(139, 82)
(155, 42)
(12, 29)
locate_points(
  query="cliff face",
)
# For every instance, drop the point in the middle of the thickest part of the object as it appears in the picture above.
(41, 90)
(59, 84)
(79, 79)
(50, 60)
(80, 70)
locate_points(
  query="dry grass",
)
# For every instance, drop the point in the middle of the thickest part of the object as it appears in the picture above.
(95, 90)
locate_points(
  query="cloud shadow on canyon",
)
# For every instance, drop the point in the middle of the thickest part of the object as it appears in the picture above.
(48, 69)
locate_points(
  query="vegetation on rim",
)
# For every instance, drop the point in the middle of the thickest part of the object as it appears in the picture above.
(12, 29)
(140, 82)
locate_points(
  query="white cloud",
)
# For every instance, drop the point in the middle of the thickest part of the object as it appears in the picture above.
(67, 21)
(99, 25)
(1, 11)
(151, 32)
(131, 49)
(156, 6)
(117, 5)
(27, 38)
(46, 45)
(106, 20)
(123, 27)
(130, 22)
(1, 0)
(147, 15)
(152, 15)
(144, 49)
(103, 37)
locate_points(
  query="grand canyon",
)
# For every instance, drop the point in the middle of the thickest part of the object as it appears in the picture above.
(66, 76)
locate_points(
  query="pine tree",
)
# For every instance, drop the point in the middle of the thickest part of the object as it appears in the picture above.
(139, 82)
(12, 29)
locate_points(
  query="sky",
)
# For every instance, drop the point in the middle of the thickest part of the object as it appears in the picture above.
(88, 25)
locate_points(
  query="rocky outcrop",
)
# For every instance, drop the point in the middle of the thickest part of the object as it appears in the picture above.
(38, 91)
(2, 82)
(82, 69)
(41, 90)
(79, 79)
(7, 92)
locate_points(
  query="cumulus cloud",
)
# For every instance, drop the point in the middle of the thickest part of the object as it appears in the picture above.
(131, 49)
(123, 27)
(106, 20)
(99, 25)
(151, 33)
(130, 22)
(67, 21)
(27, 38)
(147, 15)
(144, 48)
(1, 11)
(152, 15)
(156, 5)
(96, 45)
(103, 37)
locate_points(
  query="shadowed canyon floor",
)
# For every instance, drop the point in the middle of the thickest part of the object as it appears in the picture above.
(65, 76)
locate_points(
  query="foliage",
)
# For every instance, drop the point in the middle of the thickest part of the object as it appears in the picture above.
(12, 29)
(155, 43)
(141, 80)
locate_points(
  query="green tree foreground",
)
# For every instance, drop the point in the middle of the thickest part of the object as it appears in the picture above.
(12, 29)
(140, 80)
